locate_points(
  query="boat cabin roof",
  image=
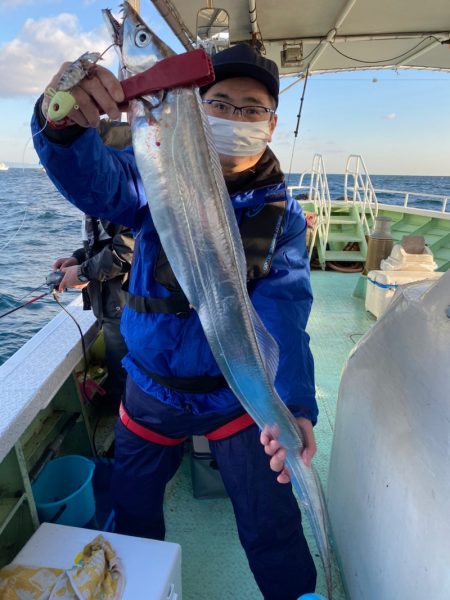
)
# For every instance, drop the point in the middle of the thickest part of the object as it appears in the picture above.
(329, 36)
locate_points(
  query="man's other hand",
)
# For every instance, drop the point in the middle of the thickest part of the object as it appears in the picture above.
(273, 447)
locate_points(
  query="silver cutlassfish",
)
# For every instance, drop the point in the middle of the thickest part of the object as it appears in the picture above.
(194, 218)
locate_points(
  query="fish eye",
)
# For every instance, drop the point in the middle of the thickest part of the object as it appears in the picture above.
(142, 38)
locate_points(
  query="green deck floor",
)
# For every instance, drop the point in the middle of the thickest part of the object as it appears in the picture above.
(213, 562)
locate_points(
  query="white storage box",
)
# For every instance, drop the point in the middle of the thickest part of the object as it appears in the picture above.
(152, 568)
(381, 286)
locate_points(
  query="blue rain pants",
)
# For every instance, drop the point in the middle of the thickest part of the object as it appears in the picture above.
(267, 514)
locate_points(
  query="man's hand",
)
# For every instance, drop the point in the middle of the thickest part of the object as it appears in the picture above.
(64, 262)
(70, 279)
(273, 448)
(99, 92)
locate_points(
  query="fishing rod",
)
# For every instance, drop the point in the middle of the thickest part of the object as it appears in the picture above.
(8, 312)
(52, 280)
(299, 116)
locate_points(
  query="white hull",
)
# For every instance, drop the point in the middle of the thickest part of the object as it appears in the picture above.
(389, 483)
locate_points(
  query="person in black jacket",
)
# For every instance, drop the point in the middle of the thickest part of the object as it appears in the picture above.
(100, 268)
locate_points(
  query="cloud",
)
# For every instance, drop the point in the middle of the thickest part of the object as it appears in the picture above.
(28, 62)
(283, 135)
(11, 5)
(390, 116)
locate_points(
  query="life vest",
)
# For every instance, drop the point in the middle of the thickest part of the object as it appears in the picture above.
(260, 228)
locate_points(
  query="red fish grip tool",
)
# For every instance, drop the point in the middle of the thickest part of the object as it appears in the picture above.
(181, 70)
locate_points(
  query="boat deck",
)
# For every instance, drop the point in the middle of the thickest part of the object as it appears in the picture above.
(213, 562)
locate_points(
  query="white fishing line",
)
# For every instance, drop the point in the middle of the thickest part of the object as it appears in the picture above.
(25, 212)
(6, 244)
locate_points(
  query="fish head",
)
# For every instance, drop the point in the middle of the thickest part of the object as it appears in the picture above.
(115, 30)
(138, 46)
(113, 26)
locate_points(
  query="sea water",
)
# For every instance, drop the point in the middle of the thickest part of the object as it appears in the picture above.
(38, 225)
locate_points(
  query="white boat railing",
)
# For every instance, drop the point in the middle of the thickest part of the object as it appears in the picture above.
(318, 193)
(358, 189)
(359, 194)
(421, 196)
(301, 187)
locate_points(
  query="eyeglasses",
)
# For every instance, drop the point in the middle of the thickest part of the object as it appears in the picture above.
(226, 110)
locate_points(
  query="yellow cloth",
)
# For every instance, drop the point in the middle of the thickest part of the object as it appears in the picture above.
(99, 576)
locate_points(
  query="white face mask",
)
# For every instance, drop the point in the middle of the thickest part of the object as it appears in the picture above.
(239, 138)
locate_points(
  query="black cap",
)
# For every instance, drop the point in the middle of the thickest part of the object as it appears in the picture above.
(244, 61)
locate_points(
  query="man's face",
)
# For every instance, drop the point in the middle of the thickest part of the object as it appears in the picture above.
(241, 91)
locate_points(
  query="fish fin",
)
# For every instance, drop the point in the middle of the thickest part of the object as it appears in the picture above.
(268, 346)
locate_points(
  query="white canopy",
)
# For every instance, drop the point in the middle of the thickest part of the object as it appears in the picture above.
(330, 35)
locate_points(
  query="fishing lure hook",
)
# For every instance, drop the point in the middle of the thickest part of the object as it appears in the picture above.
(62, 101)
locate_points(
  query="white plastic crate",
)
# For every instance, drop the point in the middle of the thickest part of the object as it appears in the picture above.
(381, 286)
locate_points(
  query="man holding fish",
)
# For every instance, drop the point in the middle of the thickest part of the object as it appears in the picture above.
(175, 387)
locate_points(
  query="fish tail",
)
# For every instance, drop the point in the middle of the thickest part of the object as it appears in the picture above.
(308, 488)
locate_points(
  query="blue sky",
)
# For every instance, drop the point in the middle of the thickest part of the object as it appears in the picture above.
(398, 121)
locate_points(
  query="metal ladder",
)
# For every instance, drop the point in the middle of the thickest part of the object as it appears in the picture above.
(358, 189)
(336, 223)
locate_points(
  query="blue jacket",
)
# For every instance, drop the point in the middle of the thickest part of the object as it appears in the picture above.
(105, 182)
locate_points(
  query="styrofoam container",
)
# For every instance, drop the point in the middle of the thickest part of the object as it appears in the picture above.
(381, 286)
(400, 260)
(152, 568)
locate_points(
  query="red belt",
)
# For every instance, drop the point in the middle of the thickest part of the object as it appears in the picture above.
(220, 433)
(230, 428)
